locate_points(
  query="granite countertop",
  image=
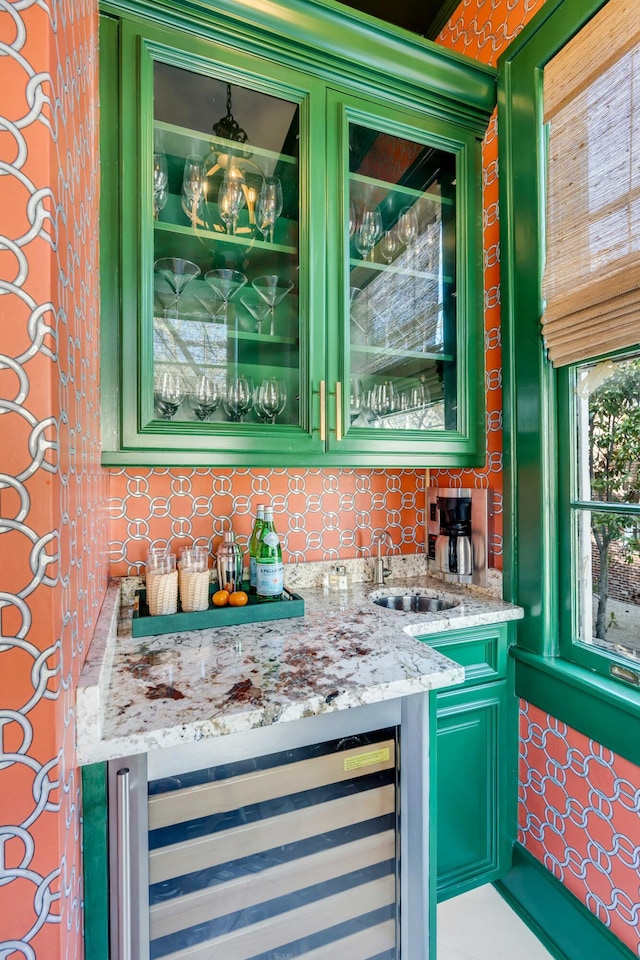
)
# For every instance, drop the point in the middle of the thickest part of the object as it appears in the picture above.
(137, 695)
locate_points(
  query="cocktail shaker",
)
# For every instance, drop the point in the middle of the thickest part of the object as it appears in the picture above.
(229, 559)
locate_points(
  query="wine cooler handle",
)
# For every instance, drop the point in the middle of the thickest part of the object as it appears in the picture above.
(323, 411)
(338, 411)
(123, 841)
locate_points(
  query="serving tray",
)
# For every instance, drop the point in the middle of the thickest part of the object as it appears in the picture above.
(144, 625)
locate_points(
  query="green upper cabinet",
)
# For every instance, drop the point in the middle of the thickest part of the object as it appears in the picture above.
(291, 243)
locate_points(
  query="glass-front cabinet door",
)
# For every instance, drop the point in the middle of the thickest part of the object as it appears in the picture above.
(224, 358)
(404, 366)
(291, 272)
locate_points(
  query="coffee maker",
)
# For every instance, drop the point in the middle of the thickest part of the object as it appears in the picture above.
(457, 534)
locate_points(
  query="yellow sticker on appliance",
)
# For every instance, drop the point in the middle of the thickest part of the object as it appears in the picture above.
(366, 759)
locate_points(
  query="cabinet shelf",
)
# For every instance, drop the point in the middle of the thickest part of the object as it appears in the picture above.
(201, 236)
(408, 192)
(182, 142)
(360, 269)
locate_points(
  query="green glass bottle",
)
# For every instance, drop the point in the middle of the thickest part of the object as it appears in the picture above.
(253, 546)
(269, 566)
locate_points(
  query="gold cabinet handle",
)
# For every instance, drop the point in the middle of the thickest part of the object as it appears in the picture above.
(323, 411)
(338, 411)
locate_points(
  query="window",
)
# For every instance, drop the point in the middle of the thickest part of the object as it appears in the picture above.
(603, 519)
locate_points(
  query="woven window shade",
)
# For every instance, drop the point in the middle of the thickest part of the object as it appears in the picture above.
(591, 282)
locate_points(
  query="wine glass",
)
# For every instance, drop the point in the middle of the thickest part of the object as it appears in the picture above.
(177, 272)
(160, 183)
(369, 232)
(169, 394)
(270, 399)
(205, 398)
(407, 226)
(273, 289)
(225, 284)
(237, 399)
(352, 220)
(231, 199)
(194, 186)
(356, 397)
(256, 305)
(268, 206)
(389, 245)
(383, 401)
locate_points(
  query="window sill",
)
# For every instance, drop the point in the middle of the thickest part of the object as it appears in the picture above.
(604, 710)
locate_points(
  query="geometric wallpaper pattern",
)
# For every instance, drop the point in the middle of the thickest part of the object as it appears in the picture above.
(320, 514)
(53, 492)
(579, 814)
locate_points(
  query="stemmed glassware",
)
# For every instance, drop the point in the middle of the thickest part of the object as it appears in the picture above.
(177, 272)
(257, 306)
(268, 206)
(169, 394)
(383, 399)
(356, 398)
(407, 226)
(231, 199)
(225, 284)
(160, 183)
(369, 232)
(273, 289)
(194, 187)
(389, 245)
(270, 399)
(238, 397)
(205, 398)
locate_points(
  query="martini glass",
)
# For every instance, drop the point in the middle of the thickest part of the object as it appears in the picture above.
(177, 272)
(213, 306)
(256, 306)
(273, 289)
(225, 284)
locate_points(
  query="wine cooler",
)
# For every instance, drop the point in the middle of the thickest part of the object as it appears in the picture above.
(293, 853)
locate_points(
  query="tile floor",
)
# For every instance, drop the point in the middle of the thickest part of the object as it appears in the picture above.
(480, 925)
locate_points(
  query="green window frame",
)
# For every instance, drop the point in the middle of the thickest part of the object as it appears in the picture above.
(537, 478)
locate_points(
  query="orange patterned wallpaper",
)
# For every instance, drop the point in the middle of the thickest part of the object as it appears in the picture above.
(53, 531)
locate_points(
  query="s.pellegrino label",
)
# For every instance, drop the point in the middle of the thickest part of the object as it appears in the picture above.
(254, 545)
(269, 566)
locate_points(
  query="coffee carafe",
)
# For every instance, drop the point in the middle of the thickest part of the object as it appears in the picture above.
(454, 551)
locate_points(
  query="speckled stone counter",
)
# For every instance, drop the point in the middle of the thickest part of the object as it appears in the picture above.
(137, 695)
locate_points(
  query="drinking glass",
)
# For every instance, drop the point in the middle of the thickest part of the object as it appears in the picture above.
(194, 186)
(225, 283)
(389, 245)
(407, 226)
(383, 400)
(369, 232)
(205, 398)
(356, 395)
(270, 399)
(160, 183)
(177, 272)
(169, 394)
(257, 306)
(231, 199)
(273, 289)
(238, 397)
(269, 206)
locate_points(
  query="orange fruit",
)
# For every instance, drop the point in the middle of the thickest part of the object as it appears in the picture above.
(238, 599)
(220, 598)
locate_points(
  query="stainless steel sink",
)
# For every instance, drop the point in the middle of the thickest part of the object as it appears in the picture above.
(414, 602)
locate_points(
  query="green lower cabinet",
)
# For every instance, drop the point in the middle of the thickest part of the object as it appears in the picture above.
(476, 761)
(473, 843)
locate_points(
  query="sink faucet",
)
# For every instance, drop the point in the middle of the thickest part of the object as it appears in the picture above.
(379, 569)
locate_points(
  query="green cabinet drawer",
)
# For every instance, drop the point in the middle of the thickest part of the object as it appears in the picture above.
(482, 651)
